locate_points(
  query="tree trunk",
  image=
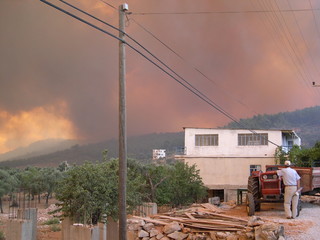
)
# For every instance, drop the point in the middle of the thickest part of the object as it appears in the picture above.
(47, 197)
(1, 205)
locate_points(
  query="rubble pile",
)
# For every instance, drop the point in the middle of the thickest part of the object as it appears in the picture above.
(203, 222)
(311, 199)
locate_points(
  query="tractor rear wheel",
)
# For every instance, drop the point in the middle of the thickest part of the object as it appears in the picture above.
(254, 188)
(250, 204)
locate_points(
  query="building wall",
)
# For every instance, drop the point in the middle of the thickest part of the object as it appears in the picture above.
(227, 166)
(219, 173)
(228, 143)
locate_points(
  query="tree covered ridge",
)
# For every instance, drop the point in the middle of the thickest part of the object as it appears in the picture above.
(139, 147)
(305, 122)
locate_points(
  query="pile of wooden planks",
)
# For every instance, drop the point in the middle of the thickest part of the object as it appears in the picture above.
(202, 218)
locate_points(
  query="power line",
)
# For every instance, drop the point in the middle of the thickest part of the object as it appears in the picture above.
(109, 4)
(298, 54)
(304, 40)
(199, 92)
(183, 59)
(223, 12)
(81, 20)
(191, 88)
(280, 29)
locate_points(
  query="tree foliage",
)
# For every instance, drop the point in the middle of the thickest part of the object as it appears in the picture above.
(301, 157)
(178, 184)
(7, 184)
(306, 121)
(86, 192)
(90, 190)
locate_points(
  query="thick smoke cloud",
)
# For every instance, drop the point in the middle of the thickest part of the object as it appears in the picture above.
(253, 65)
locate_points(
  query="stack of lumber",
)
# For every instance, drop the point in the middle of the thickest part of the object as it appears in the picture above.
(202, 218)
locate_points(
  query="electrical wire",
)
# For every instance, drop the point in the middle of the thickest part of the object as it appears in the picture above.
(70, 5)
(189, 86)
(314, 18)
(280, 28)
(222, 12)
(183, 59)
(304, 40)
(109, 4)
(199, 92)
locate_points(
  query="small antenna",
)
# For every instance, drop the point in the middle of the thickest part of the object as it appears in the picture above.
(315, 85)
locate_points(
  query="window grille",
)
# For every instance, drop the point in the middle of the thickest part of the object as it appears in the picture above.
(252, 139)
(207, 140)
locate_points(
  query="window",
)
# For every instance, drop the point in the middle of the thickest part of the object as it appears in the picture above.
(255, 168)
(216, 193)
(252, 139)
(207, 140)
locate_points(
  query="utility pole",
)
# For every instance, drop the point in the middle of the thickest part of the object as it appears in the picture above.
(122, 126)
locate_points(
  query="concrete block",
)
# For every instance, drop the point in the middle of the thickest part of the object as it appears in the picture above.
(95, 233)
(112, 229)
(65, 225)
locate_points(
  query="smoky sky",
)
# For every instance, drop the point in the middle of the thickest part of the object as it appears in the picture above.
(253, 62)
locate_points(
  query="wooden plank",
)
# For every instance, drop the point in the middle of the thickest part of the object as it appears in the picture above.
(189, 215)
(227, 216)
(203, 221)
(151, 220)
(216, 228)
(217, 222)
(211, 207)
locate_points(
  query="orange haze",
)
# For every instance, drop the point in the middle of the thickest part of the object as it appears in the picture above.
(59, 77)
(25, 127)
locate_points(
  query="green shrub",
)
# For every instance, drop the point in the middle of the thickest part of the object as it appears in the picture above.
(2, 237)
(52, 221)
(55, 228)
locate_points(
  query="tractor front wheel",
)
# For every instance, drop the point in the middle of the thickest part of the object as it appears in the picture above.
(250, 205)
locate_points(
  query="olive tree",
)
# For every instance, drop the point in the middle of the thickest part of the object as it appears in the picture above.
(91, 190)
(7, 185)
(178, 184)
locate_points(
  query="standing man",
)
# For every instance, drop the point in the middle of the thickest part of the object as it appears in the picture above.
(291, 180)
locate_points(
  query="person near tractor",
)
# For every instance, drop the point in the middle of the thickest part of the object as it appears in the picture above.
(291, 180)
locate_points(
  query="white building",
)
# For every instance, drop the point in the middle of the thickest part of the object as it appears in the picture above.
(225, 157)
(158, 154)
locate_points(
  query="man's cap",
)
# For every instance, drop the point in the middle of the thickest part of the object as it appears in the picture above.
(287, 163)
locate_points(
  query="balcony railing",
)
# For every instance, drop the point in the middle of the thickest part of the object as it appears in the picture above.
(287, 149)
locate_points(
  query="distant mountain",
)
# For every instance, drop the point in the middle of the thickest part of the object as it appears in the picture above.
(139, 147)
(38, 148)
(305, 122)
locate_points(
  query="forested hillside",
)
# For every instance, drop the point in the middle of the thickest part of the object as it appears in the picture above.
(305, 122)
(139, 147)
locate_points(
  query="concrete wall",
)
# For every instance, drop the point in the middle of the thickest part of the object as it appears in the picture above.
(217, 172)
(18, 229)
(228, 143)
(146, 209)
(24, 227)
(71, 231)
(227, 166)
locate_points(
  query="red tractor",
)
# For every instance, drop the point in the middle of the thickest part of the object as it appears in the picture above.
(268, 186)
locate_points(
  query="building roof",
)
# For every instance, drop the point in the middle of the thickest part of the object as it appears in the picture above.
(282, 130)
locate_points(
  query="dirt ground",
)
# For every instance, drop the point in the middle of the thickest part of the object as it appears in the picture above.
(305, 227)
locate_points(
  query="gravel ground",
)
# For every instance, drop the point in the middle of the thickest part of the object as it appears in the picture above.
(306, 226)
